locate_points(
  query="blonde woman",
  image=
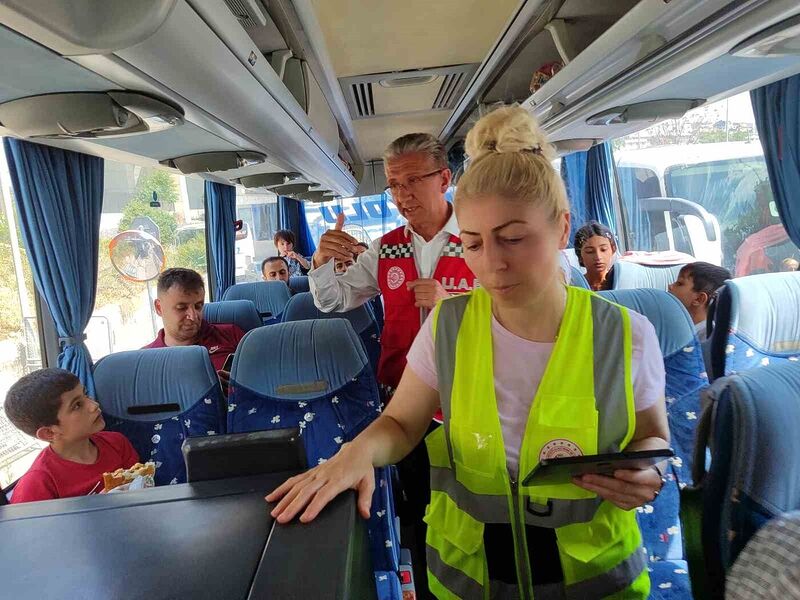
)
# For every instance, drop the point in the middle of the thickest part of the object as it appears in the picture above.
(524, 368)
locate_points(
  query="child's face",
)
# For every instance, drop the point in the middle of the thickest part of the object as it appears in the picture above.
(79, 416)
(597, 254)
(683, 290)
(341, 266)
(285, 247)
(276, 271)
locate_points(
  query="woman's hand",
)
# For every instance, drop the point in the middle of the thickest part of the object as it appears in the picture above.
(627, 489)
(315, 488)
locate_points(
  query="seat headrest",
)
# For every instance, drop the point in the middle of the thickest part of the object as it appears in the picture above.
(763, 311)
(301, 308)
(180, 375)
(299, 360)
(242, 313)
(299, 284)
(669, 317)
(772, 397)
(629, 275)
(270, 297)
(577, 278)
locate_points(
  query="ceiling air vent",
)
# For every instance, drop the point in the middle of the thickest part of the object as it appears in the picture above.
(362, 99)
(247, 12)
(447, 96)
(400, 92)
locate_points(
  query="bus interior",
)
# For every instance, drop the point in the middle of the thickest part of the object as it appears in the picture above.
(276, 114)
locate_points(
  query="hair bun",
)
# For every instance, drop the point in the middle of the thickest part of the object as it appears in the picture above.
(509, 129)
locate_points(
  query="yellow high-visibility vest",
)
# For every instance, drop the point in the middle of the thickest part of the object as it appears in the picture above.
(584, 405)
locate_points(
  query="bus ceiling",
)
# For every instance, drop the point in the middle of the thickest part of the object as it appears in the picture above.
(320, 87)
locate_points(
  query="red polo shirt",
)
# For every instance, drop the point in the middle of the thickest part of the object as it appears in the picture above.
(220, 340)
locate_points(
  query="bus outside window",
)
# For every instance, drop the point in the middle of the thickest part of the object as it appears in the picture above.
(712, 160)
(368, 217)
(123, 317)
(258, 211)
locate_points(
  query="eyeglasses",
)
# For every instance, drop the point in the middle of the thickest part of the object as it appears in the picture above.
(412, 183)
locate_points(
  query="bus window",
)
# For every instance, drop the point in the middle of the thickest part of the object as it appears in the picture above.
(259, 214)
(19, 339)
(713, 159)
(123, 318)
(368, 217)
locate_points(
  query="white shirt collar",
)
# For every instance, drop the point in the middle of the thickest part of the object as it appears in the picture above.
(451, 227)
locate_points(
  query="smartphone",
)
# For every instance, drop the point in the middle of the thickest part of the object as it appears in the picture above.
(228, 363)
(562, 470)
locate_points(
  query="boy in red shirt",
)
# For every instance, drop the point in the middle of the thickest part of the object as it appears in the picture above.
(52, 405)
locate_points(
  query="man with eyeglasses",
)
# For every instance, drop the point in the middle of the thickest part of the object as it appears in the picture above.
(412, 267)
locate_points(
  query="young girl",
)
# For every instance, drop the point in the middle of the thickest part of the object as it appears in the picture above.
(284, 242)
(524, 368)
(596, 250)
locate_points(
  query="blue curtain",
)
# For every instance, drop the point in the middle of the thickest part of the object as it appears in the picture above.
(305, 241)
(777, 111)
(573, 172)
(59, 197)
(637, 221)
(599, 196)
(292, 216)
(221, 215)
(588, 176)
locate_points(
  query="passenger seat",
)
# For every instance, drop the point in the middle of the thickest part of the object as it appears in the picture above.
(270, 298)
(315, 375)
(298, 284)
(578, 279)
(756, 323)
(157, 398)
(685, 378)
(301, 308)
(750, 426)
(242, 313)
(630, 275)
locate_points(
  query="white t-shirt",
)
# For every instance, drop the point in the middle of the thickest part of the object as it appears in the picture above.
(519, 365)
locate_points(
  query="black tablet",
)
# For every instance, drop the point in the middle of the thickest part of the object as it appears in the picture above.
(228, 363)
(562, 470)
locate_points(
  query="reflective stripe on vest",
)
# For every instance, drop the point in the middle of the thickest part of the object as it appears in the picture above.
(584, 403)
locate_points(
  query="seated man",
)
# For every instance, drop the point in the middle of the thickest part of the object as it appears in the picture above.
(695, 287)
(52, 405)
(181, 296)
(275, 268)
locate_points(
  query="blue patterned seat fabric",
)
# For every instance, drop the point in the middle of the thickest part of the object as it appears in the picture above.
(298, 284)
(376, 306)
(633, 276)
(315, 374)
(756, 323)
(750, 424)
(685, 378)
(179, 375)
(242, 313)
(270, 298)
(301, 308)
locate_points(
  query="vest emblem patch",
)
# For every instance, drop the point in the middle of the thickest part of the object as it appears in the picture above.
(395, 277)
(559, 448)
